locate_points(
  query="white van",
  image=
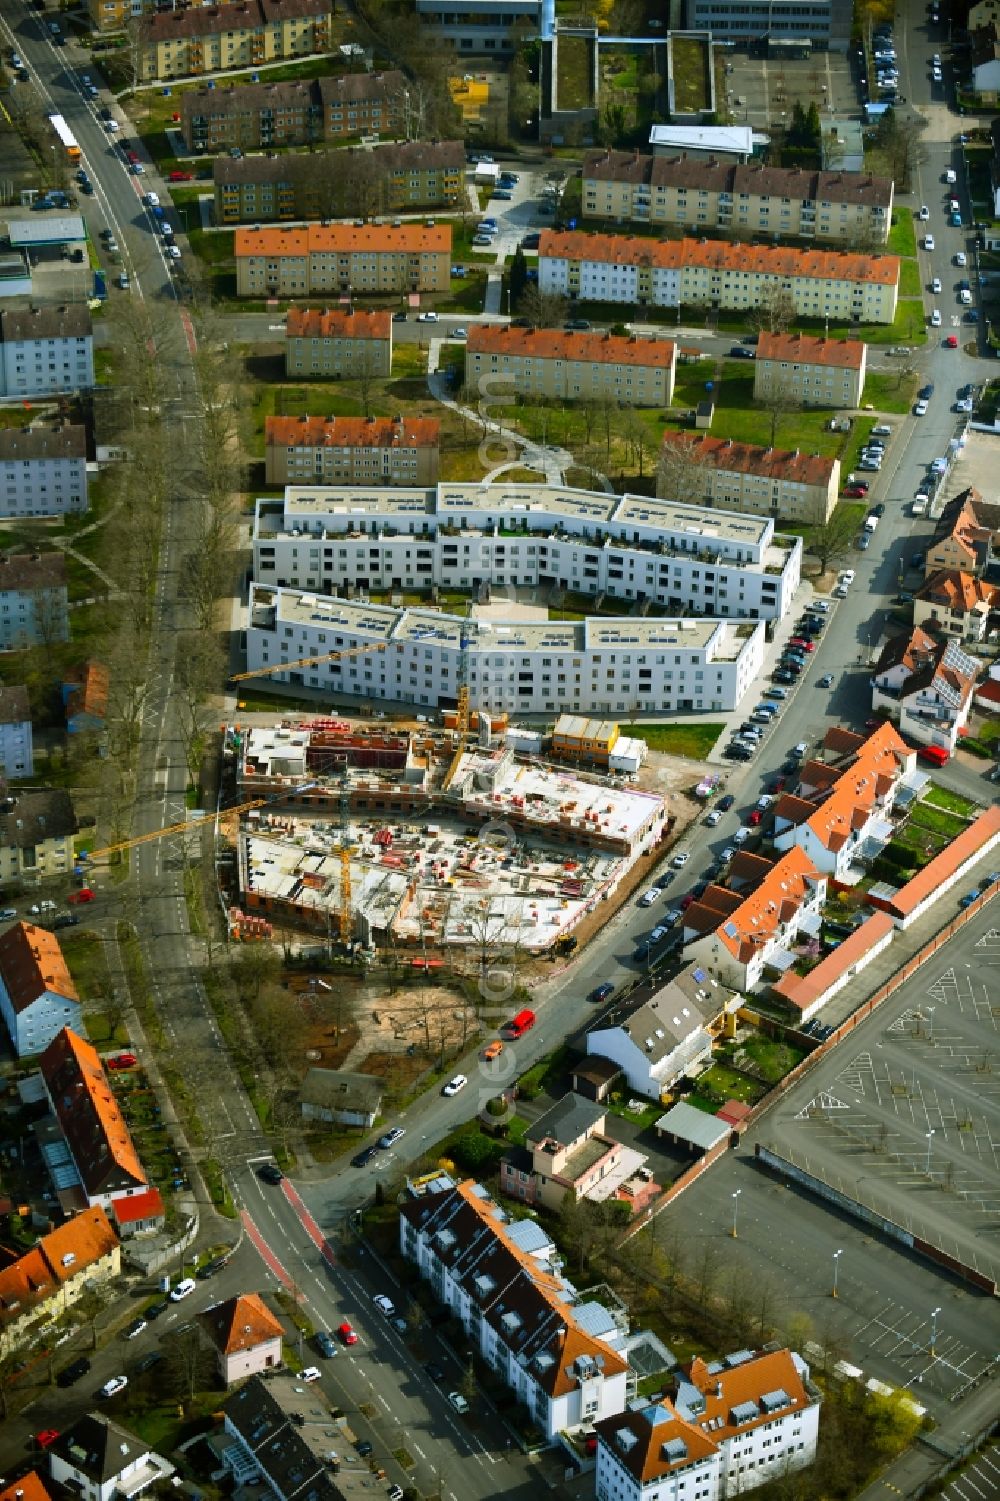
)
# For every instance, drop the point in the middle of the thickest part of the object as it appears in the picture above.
(183, 1289)
(649, 897)
(742, 835)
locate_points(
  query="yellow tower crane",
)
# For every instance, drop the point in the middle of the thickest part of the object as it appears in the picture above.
(330, 656)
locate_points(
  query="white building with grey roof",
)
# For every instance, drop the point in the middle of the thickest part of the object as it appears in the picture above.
(667, 1034)
(46, 351)
(691, 559)
(598, 666)
(43, 470)
(16, 743)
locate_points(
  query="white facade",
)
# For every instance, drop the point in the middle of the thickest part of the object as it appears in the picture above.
(33, 1027)
(598, 666)
(46, 351)
(43, 473)
(678, 556)
(502, 1279)
(16, 743)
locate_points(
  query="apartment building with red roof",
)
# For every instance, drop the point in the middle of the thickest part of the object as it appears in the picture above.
(721, 1428)
(560, 1352)
(348, 259)
(745, 198)
(956, 604)
(351, 450)
(840, 811)
(570, 365)
(42, 1283)
(90, 1120)
(338, 342)
(815, 372)
(716, 273)
(245, 1336)
(736, 934)
(786, 483)
(37, 995)
(966, 537)
(927, 682)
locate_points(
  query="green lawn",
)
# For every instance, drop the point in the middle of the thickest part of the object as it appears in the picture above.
(739, 417)
(772, 1058)
(573, 79)
(942, 797)
(692, 740)
(84, 954)
(903, 234)
(910, 284)
(938, 820)
(891, 393)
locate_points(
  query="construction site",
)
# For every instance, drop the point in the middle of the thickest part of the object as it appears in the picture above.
(432, 839)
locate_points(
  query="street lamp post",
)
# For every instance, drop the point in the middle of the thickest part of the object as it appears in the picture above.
(934, 1315)
(836, 1268)
(736, 1205)
(930, 1139)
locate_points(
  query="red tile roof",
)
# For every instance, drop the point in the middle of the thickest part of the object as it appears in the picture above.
(976, 837)
(89, 1116)
(773, 903)
(133, 1208)
(807, 349)
(772, 260)
(337, 323)
(956, 591)
(723, 1390)
(859, 788)
(240, 1324)
(90, 695)
(30, 1487)
(342, 239)
(31, 963)
(755, 178)
(752, 458)
(803, 991)
(57, 1258)
(911, 650)
(564, 344)
(351, 432)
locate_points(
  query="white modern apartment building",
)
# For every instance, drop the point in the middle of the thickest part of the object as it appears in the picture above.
(44, 351)
(727, 1426)
(598, 666)
(43, 470)
(682, 558)
(503, 1279)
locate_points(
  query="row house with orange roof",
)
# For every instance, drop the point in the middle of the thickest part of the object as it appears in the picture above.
(840, 812)
(349, 259)
(721, 1429)
(735, 931)
(562, 364)
(813, 371)
(778, 482)
(351, 450)
(103, 1165)
(43, 1283)
(929, 683)
(561, 1354)
(37, 995)
(966, 538)
(714, 273)
(956, 604)
(339, 342)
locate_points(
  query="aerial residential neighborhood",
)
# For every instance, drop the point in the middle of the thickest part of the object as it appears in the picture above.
(500, 750)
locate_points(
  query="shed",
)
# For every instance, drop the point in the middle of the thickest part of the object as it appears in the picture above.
(593, 1077)
(734, 1113)
(704, 415)
(693, 1129)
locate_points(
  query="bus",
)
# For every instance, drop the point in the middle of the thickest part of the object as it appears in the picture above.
(66, 136)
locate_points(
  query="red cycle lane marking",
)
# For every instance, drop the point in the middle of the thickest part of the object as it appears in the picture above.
(264, 1251)
(309, 1225)
(189, 333)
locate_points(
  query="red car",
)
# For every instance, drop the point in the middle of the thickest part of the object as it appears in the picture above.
(46, 1437)
(83, 895)
(121, 1060)
(686, 901)
(131, 156)
(855, 492)
(778, 784)
(755, 818)
(177, 176)
(347, 1334)
(951, 342)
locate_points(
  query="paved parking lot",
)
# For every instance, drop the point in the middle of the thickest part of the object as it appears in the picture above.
(905, 1115)
(762, 92)
(980, 1481)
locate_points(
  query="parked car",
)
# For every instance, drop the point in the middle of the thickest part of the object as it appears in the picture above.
(454, 1085)
(310, 1373)
(120, 1061)
(112, 1387)
(271, 1173)
(72, 1373)
(458, 1402)
(362, 1158)
(396, 1133)
(602, 992)
(725, 803)
(184, 1289)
